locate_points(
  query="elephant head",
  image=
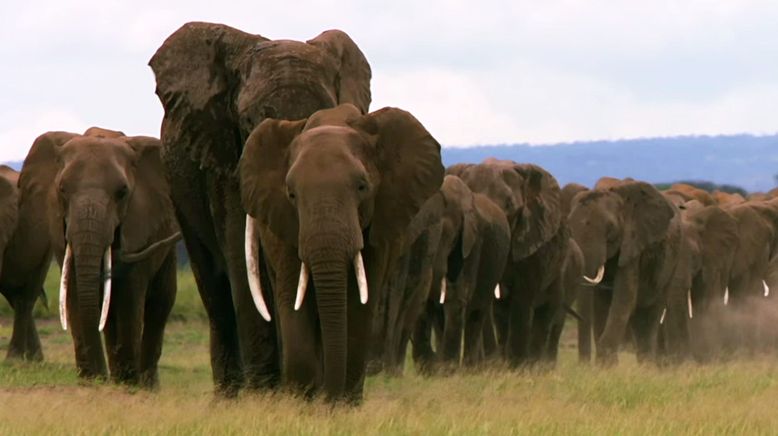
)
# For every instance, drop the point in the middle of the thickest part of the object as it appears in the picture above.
(217, 84)
(569, 191)
(332, 186)
(107, 200)
(528, 195)
(619, 221)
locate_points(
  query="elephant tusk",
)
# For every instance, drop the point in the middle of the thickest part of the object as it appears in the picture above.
(497, 293)
(689, 302)
(107, 266)
(359, 268)
(252, 267)
(598, 278)
(662, 318)
(302, 286)
(442, 290)
(766, 289)
(63, 287)
(726, 296)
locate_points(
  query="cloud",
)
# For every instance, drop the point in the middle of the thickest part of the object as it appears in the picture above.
(495, 71)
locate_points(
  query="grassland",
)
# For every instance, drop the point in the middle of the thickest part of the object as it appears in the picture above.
(737, 397)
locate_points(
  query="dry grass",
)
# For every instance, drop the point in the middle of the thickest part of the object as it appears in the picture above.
(47, 398)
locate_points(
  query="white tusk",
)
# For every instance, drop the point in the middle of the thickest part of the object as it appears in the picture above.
(726, 296)
(662, 319)
(689, 302)
(252, 267)
(497, 293)
(63, 287)
(598, 279)
(442, 290)
(766, 289)
(302, 286)
(107, 266)
(359, 268)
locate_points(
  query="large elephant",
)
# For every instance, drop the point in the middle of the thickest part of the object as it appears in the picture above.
(532, 294)
(112, 229)
(216, 85)
(630, 237)
(331, 197)
(470, 260)
(25, 255)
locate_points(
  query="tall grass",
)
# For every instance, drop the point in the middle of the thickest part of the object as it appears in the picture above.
(737, 397)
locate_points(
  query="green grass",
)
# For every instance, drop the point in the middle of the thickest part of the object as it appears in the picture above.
(737, 397)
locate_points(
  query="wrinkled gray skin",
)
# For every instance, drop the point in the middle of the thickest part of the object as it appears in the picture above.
(631, 229)
(470, 257)
(25, 256)
(532, 284)
(103, 190)
(216, 85)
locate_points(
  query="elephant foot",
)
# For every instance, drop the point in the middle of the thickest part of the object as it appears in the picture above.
(374, 367)
(607, 359)
(24, 356)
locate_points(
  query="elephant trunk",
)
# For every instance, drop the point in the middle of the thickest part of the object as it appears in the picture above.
(89, 238)
(330, 277)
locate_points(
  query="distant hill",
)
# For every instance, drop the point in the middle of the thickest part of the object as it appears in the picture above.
(746, 161)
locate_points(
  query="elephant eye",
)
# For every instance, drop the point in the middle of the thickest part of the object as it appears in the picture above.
(122, 192)
(291, 195)
(362, 187)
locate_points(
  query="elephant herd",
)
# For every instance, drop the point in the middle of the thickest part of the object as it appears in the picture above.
(325, 239)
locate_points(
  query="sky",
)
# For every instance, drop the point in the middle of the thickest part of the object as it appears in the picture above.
(473, 72)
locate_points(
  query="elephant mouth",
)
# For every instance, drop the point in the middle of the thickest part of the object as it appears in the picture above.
(251, 246)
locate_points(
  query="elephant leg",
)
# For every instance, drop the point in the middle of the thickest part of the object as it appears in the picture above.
(452, 331)
(489, 338)
(214, 289)
(519, 329)
(552, 351)
(586, 311)
(423, 355)
(541, 331)
(645, 324)
(621, 308)
(359, 337)
(128, 310)
(257, 337)
(159, 303)
(25, 343)
(474, 331)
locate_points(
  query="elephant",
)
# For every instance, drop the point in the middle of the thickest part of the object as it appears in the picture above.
(630, 236)
(25, 256)
(709, 242)
(727, 199)
(331, 197)
(531, 288)
(110, 223)
(216, 84)
(470, 259)
(689, 192)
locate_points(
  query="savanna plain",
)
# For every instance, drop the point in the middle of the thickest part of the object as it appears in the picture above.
(737, 396)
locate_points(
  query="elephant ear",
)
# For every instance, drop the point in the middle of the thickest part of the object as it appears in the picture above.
(458, 169)
(41, 166)
(408, 160)
(149, 215)
(353, 79)
(263, 168)
(459, 197)
(541, 214)
(647, 215)
(9, 206)
(718, 234)
(196, 70)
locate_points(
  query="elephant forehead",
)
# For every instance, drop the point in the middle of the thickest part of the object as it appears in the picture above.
(328, 148)
(96, 149)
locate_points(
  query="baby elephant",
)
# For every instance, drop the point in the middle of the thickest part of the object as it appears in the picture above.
(112, 229)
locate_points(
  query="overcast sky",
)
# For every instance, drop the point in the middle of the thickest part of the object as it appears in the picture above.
(474, 72)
